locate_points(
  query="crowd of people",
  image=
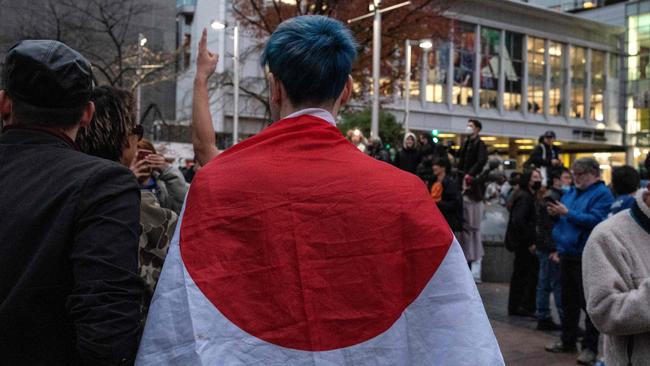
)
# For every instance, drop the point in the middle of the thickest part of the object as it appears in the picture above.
(553, 211)
(82, 257)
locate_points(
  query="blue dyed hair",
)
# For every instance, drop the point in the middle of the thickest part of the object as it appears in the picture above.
(312, 56)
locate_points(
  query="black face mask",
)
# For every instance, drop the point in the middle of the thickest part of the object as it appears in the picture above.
(536, 186)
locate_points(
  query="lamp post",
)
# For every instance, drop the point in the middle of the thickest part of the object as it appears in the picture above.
(142, 40)
(425, 44)
(217, 25)
(376, 56)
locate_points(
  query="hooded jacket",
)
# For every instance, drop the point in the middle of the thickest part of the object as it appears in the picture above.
(407, 159)
(587, 208)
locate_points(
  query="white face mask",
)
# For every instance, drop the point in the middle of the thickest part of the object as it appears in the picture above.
(470, 129)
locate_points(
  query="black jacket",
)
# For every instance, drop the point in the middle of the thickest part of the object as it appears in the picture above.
(544, 223)
(543, 155)
(451, 204)
(69, 228)
(520, 233)
(408, 160)
(472, 156)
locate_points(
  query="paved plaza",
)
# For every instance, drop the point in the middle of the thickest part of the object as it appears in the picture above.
(520, 343)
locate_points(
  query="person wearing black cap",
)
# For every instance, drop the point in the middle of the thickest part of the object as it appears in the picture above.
(545, 157)
(69, 228)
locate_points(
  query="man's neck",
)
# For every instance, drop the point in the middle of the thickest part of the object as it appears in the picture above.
(288, 109)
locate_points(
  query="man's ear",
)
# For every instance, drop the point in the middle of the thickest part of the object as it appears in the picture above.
(346, 94)
(87, 115)
(275, 87)
(5, 106)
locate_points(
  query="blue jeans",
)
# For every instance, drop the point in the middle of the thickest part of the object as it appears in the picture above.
(547, 282)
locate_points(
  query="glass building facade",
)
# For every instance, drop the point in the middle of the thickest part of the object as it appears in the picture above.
(516, 72)
(638, 73)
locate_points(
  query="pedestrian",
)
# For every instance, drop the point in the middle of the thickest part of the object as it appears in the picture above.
(69, 291)
(357, 139)
(625, 184)
(509, 188)
(548, 280)
(157, 175)
(447, 196)
(114, 135)
(473, 153)
(471, 241)
(616, 275)
(377, 150)
(580, 210)
(545, 157)
(299, 251)
(520, 239)
(408, 157)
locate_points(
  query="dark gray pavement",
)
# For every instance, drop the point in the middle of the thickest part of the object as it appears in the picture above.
(520, 342)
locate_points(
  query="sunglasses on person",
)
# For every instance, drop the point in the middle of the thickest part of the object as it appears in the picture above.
(138, 130)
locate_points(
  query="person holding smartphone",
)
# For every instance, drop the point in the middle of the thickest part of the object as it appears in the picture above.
(158, 176)
(548, 280)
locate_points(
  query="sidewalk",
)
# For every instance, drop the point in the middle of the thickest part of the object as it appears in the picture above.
(520, 343)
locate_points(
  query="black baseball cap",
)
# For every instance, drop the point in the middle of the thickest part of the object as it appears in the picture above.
(47, 74)
(549, 134)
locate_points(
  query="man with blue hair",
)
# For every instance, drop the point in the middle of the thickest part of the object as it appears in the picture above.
(285, 254)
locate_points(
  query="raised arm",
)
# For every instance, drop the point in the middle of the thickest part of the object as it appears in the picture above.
(203, 137)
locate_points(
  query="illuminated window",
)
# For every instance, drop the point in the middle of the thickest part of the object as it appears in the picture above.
(557, 78)
(463, 63)
(513, 71)
(489, 94)
(578, 70)
(438, 62)
(597, 85)
(536, 74)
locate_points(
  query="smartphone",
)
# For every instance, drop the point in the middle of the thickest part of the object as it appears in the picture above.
(549, 199)
(142, 154)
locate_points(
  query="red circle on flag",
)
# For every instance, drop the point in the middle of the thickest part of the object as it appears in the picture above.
(304, 269)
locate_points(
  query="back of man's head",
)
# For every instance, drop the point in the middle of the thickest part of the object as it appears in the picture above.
(114, 118)
(625, 180)
(312, 57)
(49, 84)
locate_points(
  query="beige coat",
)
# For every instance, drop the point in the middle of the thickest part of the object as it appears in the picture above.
(616, 276)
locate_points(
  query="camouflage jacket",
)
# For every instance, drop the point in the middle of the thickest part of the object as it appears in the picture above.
(158, 226)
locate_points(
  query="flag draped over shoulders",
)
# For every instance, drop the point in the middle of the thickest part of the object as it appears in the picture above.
(295, 248)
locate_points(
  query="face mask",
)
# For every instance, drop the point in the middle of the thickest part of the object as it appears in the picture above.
(537, 186)
(469, 129)
(566, 188)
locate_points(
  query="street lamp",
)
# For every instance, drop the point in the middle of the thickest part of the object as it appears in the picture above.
(376, 55)
(217, 25)
(142, 40)
(424, 44)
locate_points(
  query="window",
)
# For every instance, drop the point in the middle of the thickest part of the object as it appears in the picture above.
(597, 85)
(513, 71)
(536, 75)
(463, 63)
(578, 70)
(638, 47)
(438, 62)
(490, 42)
(555, 51)
(416, 69)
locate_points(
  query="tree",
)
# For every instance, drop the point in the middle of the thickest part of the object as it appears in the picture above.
(105, 32)
(390, 131)
(421, 19)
